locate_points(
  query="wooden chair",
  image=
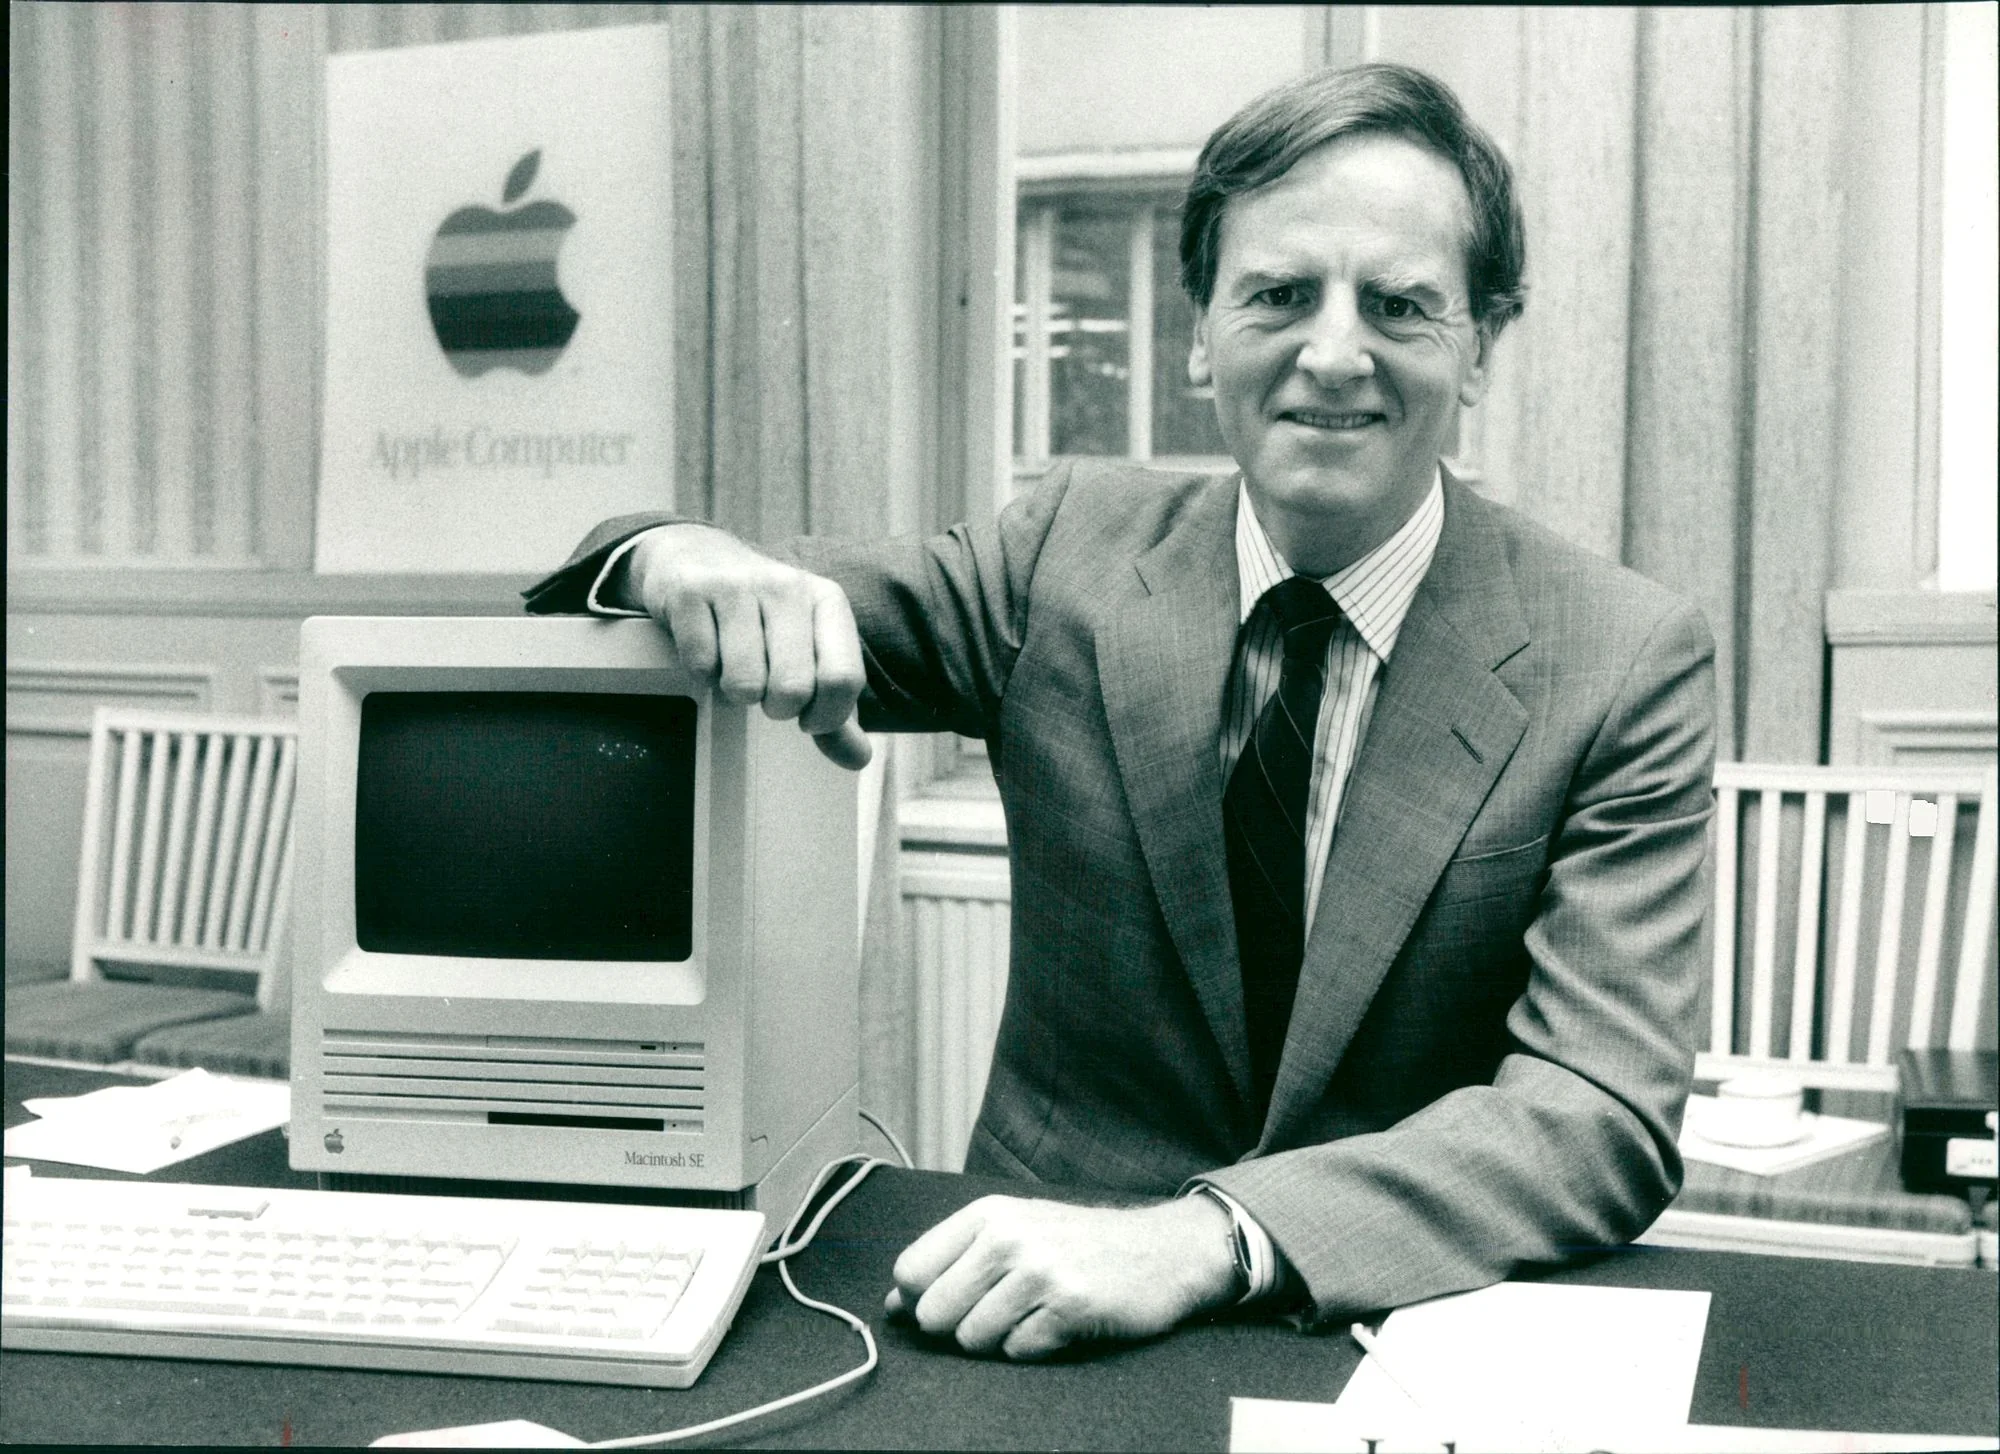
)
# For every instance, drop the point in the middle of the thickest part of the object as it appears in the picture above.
(182, 895)
(1853, 917)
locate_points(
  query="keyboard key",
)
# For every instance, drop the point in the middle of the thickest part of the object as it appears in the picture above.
(157, 1304)
(526, 1325)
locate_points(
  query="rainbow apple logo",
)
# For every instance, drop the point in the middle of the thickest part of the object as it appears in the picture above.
(491, 284)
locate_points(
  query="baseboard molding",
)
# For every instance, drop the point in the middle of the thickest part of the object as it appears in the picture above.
(151, 593)
(55, 698)
(1910, 618)
(1918, 737)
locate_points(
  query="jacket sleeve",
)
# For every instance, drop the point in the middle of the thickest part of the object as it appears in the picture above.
(1572, 1145)
(566, 590)
(940, 618)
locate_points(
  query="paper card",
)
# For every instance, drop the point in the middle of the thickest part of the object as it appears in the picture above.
(499, 330)
(1819, 1138)
(507, 1434)
(1275, 1426)
(1516, 1366)
(1544, 1353)
(139, 1129)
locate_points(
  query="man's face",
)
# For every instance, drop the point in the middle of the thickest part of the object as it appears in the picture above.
(1340, 341)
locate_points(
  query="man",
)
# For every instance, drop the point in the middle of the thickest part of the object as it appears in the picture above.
(1355, 915)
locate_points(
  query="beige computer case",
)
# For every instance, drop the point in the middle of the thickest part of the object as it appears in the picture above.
(747, 1058)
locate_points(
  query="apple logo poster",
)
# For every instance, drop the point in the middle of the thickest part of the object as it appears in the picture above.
(499, 348)
(491, 282)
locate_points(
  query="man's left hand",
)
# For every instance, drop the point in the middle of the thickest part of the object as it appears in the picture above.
(1026, 1278)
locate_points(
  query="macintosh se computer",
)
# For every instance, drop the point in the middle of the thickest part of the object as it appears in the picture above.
(563, 916)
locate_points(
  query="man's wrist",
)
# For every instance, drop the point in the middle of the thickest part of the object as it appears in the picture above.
(1208, 1261)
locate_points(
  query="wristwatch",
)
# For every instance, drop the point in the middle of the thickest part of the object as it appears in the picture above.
(1239, 1244)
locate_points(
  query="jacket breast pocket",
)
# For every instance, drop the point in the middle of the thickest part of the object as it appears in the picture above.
(1506, 873)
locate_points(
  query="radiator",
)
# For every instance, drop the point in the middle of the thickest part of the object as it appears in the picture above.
(955, 919)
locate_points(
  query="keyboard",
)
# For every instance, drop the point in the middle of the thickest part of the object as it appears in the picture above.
(578, 1291)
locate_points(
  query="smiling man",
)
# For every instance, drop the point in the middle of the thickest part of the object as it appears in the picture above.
(1356, 824)
(1340, 339)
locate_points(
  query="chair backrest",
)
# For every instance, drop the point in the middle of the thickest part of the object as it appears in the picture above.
(187, 847)
(1853, 915)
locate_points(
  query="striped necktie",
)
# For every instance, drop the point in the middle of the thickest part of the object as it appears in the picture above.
(1264, 825)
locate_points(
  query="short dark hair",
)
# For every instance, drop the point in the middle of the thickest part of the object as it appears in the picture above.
(1268, 137)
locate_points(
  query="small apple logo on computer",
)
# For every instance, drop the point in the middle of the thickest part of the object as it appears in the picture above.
(491, 284)
(334, 1143)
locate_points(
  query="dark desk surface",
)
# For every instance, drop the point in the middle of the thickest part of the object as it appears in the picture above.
(1791, 1343)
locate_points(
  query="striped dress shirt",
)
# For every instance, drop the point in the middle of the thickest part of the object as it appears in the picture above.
(1374, 595)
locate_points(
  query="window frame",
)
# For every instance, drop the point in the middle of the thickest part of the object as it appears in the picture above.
(1042, 185)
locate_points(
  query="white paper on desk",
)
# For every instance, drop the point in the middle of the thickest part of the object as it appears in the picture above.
(1824, 1136)
(1275, 1426)
(139, 1129)
(1521, 1366)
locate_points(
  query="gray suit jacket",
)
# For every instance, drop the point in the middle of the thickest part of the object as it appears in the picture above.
(1493, 1035)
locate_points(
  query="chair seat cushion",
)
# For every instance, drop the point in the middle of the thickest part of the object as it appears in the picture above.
(1858, 1188)
(259, 1044)
(100, 1021)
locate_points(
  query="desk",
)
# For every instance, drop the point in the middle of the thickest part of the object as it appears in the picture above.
(1792, 1343)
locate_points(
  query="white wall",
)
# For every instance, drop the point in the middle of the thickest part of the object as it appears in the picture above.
(1969, 373)
(1107, 78)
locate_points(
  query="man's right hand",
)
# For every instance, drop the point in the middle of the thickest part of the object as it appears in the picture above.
(754, 628)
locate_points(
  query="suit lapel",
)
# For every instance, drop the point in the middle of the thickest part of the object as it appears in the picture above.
(1163, 661)
(1443, 728)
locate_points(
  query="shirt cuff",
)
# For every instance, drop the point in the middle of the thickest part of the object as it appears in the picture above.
(1257, 1254)
(611, 562)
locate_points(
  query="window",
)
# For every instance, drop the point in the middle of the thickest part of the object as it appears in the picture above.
(1101, 330)
(1110, 105)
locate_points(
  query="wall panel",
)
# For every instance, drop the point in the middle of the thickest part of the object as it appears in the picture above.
(283, 293)
(1885, 521)
(1796, 216)
(45, 783)
(1575, 165)
(167, 427)
(108, 475)
(49, 706)
(1685, 441)
(1913, 677)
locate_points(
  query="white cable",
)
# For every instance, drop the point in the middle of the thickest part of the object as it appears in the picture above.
(731, 1420)
(789, 1245)
(889, 1136)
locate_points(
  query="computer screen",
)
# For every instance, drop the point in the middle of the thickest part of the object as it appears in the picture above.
(561, 917)
(525, 825)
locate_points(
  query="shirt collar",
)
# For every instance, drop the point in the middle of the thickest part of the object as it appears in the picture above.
(1373, 592)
